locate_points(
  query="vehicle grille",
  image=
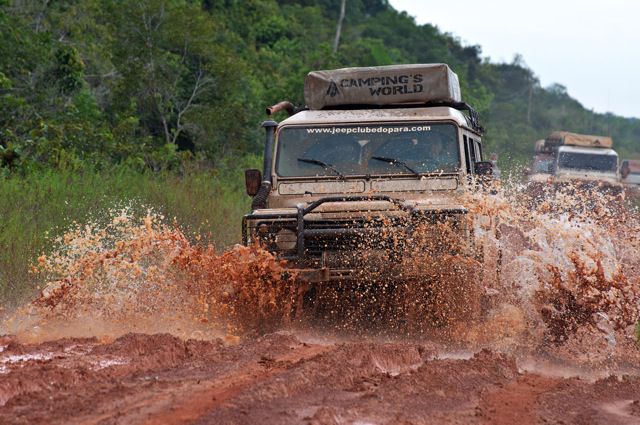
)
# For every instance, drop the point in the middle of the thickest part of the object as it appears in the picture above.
(368, 233)
(355, 234)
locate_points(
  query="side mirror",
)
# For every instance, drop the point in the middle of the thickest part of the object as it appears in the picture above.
(484, 169)
(252, 181)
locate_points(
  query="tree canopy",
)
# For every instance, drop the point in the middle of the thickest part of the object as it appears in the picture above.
(150, 82)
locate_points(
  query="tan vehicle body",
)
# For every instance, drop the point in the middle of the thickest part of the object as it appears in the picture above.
(333, 226)
(548, 167)
(429, 194)
(630, 172)
(630, 178)
(288, 192)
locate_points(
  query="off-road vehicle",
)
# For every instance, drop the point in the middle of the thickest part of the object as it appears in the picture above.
(373, 168)
(566, 157)
(630, 176)
(571, 163)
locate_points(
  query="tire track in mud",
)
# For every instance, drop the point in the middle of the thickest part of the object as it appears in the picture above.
(178, 402)
(278, 378)
(198, 399)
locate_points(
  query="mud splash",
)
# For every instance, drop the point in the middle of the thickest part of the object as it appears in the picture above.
(536, 326)
(545, 272)
(142, 274)
(568, 267)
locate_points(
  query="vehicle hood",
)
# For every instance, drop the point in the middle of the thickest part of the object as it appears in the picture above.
(358, 208)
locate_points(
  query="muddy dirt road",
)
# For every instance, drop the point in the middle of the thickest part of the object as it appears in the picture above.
(280, 379)
(552, 339)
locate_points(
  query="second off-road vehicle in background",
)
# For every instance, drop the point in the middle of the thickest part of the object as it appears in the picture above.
(376, 154)
(630, 172)
(565, 157)
(630, 178)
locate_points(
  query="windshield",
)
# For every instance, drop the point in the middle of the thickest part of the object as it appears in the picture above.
(412, 148)
(589, 162)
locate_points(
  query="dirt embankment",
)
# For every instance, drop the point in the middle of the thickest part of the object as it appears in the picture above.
(279, 379)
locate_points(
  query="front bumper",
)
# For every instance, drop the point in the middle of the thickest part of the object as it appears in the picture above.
(330, 249)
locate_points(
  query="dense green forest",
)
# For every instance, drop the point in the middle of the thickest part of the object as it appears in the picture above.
(150, 83)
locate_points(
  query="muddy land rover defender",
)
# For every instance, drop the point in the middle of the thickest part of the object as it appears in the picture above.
(569, 157)
(576, 164)
(367, 172)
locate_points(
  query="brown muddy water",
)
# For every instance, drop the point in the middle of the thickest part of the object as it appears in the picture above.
(136, 323)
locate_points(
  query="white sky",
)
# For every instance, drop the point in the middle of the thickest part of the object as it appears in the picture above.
(592, 47)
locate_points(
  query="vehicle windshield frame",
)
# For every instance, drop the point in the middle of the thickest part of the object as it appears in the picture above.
(398, 171)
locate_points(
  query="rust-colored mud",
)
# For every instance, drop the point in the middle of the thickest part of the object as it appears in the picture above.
(137, 323)
(279, 379)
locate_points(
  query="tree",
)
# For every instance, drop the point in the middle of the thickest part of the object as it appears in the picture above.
(336, 41)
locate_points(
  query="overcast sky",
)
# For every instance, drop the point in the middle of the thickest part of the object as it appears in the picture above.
(590, 46)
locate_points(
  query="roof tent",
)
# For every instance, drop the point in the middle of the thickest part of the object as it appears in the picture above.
(381, 85)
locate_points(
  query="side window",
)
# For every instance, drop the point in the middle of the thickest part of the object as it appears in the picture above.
(467, 158)
(472, 146)
(479, 151)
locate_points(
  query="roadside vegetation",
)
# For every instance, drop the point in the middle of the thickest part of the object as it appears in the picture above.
(38, 207)
(159, 102)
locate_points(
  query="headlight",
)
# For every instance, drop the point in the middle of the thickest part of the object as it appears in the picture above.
(286, 240)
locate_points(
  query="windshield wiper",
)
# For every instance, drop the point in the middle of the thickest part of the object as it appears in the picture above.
(322, 164)
(394, 161)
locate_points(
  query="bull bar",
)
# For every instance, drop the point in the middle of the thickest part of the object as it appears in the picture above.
(302, 210)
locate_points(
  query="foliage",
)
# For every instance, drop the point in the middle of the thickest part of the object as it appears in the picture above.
(158, 102)
(41, 205)
(153, 82)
